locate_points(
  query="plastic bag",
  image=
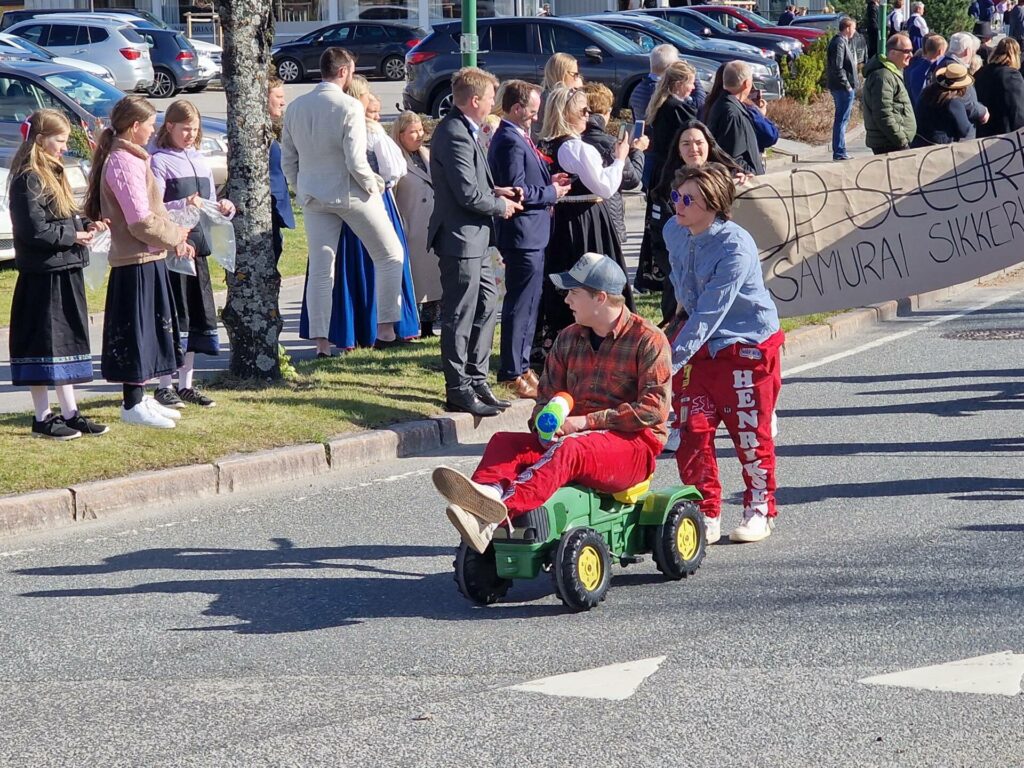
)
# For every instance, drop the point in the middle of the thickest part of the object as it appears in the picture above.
(181, 264)
(220, 234)
(183, 217)
(99, 250)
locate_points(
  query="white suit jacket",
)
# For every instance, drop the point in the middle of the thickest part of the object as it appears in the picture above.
(323, 148)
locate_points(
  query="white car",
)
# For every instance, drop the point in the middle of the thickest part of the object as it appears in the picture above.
(15, 43)
(209, 59)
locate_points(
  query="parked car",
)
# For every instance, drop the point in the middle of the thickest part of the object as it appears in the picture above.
(702, 26)
(115, 45)
(830, 22)
(12, 45)
(75, 170)
(742, 20)
(518, 48)
(649, 32)
(379, 48)
(86, 101)
(208, 70)
(175, 62)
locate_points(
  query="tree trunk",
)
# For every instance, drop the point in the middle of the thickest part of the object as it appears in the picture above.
(251, 316)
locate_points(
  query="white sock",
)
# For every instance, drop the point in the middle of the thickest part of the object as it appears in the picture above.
(186, 371)
(66, 398)
(40, 401)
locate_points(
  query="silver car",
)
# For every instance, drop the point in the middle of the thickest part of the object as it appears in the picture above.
(113, 44)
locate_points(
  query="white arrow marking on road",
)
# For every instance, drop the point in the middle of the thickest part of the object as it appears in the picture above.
(995, 674)
(615, 682)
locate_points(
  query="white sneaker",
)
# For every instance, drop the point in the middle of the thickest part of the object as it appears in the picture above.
(484, 501)
(673, 441)
(142, 416)
(755, 527)
(161, 410)
(713, 528)
(475, 532)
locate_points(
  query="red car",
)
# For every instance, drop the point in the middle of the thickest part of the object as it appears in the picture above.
(742, 20)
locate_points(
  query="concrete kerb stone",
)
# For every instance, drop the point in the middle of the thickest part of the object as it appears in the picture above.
(466, 429)
(101, 497)
(36, 511)
(395, 442)
(255, 470)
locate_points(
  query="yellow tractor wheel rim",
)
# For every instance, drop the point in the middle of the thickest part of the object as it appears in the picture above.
(687, 539)
(590, 568)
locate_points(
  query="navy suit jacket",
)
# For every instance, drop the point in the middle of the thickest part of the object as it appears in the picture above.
(280, 201)
(514, 164)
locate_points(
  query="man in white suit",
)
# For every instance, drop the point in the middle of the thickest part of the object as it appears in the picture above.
(324, 156)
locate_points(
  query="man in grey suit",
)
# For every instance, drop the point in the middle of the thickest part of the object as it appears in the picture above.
(323, 151)
(460, 231)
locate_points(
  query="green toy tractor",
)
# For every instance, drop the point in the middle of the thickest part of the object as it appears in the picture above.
(576, 536)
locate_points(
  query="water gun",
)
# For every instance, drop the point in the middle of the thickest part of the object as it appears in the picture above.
(553, 416)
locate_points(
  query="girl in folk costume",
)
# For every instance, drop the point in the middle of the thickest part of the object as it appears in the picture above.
(49, 335)
(184, 178)
(140, 328)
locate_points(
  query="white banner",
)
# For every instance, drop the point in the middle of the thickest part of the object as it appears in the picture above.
(842, 235)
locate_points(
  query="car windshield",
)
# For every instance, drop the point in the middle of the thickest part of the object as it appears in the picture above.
(750, 15)
(95, 97)
(672, 32)
(710, 23)
(152, 20)
(612, 40)
(28, 45)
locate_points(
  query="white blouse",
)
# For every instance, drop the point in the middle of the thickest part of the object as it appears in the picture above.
(390, 160)
(585, 161)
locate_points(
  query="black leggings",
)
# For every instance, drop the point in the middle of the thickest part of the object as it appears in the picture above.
(132, 395)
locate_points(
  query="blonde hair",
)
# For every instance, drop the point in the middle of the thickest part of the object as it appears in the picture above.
(30, 158)
(556, 109)
(181, 111)
(558, 66)
(599, 97)
(469, 82)
(128, 111)
(1007, 52)
(359, 87)
(402, 122)
(679, 72)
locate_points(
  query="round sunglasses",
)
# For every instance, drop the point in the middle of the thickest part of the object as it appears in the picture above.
(686, 200)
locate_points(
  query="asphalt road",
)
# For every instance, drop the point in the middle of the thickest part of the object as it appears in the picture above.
(317, 624)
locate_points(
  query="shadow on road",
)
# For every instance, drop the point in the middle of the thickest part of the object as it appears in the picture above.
(297, 604)
(957, 488)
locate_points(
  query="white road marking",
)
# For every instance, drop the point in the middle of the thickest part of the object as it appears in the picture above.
(615, 682)
(901, 334)
(997, 674)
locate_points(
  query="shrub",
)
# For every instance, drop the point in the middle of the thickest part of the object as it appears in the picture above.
(947, 17)
(804, 77)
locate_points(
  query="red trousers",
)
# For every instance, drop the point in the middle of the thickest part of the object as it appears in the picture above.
(739, 386)
(608, 462)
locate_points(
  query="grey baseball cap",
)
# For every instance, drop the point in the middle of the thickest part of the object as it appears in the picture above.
(594, 271)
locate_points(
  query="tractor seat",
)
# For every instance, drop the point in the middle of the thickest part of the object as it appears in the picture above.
(633, 494)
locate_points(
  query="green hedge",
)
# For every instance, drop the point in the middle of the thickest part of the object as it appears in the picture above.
(804, 77)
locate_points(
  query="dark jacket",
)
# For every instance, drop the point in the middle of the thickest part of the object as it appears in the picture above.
(917, 28)
(915, 76)
(597, 136)
(671, 116)
(1001, 89)
(514, 163)
(733, 129)
(461, 223)
(942, 123)
(975, 109)
(786, 18)
(841, 65)
(1015, 20)
(43, 241)
(889, 120)
(280, 202)
(641, 97)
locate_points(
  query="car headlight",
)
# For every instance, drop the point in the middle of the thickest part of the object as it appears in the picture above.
(761, 70)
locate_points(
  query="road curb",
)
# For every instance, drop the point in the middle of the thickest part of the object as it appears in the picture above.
(62, 507)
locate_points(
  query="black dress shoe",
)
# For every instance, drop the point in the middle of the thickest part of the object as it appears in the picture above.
(489, 398)
(392, 344)
(468, 402)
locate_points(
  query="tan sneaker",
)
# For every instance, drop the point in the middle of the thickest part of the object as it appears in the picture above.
(475, 532)
(532, 377)
(481, 500)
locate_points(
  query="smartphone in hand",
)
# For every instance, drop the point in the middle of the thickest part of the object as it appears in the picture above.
(755, 96)
(623, 132)
(638, 129)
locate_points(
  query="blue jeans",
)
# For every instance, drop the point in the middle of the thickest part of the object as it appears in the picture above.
(844, 105)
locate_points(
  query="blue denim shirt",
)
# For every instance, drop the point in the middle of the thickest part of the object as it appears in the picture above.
(718, 281)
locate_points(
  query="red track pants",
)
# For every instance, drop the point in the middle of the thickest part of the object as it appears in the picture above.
(608, 462)
(739, 386)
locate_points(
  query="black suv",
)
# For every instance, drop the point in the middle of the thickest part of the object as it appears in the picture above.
(379, 48)
(518, 48)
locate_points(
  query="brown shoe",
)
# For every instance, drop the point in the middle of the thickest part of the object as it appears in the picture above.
(532, 377)
(475, 532)
(520, 387)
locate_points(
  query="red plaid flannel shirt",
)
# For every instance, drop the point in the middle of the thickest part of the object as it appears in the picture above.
(623, 386)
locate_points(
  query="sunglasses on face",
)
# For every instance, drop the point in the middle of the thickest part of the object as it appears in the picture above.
(687, 200)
